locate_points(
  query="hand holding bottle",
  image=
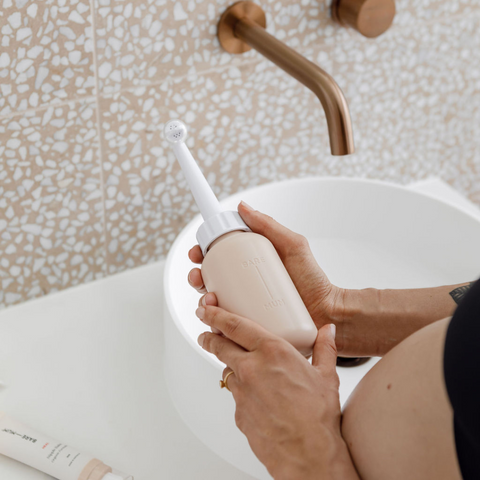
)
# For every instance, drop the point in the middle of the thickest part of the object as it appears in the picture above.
(320, 297)
(369, 322)
(288, 409)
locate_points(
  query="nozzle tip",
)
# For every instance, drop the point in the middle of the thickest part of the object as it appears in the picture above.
(175, 131)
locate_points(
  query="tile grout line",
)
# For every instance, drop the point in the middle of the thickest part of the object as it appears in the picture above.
(99, 130)
(129, 89)
(183, 76)
(87, 98)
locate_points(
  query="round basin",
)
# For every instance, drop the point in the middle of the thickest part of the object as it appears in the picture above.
(363, 233)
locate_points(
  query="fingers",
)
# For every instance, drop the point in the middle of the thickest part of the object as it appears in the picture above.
(325, 349)
(195, 279)
(223, 348)
(242, 331)
(195, 275)
(285, 241)
(195, 254)
(209, 299)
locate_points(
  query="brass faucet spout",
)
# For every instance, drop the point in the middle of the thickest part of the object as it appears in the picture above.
(247, 30)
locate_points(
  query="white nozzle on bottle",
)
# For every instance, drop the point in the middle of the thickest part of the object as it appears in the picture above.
(176, 133)
(216, 221)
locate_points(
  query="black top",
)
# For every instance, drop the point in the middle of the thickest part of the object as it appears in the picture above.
(461, 364)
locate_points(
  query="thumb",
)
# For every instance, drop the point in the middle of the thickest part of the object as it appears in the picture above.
(325, 349)
(283, 239)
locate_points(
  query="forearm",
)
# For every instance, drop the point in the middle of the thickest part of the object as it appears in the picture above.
(383, 318)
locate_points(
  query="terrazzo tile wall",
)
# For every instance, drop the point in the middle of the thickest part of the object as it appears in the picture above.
(89, 188)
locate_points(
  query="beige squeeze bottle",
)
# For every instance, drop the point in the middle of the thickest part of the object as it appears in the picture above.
(242, 268)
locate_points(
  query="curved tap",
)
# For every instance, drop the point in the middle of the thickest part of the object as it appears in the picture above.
(243, 21)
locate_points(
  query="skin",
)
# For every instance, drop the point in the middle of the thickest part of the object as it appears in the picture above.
(289, 409)
(398, 422)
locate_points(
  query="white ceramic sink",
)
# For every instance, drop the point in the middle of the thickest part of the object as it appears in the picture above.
(363, 233)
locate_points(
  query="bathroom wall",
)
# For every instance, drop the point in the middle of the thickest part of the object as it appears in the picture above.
(88, 188)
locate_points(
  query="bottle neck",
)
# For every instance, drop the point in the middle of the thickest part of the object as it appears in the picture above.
(223, 237)
(217, 226)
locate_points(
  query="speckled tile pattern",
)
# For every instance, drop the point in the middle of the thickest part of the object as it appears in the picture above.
(412, 12)
(45, 53)
(140, 218)
(244, 130)
(421, 86)
(51, 211)
(147, 200)
(90, 188)
(146, 41)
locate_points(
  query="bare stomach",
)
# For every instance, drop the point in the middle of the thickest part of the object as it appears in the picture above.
(398, 423)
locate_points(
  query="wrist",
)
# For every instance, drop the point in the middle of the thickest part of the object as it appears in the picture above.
(342, 467)
(356, 334)
(335, 463)
(333, 310)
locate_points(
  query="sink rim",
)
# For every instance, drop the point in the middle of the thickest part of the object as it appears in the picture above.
(322, 179)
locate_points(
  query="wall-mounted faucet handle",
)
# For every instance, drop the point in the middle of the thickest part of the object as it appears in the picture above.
(369, 17)
(242, 26)
(226, 26)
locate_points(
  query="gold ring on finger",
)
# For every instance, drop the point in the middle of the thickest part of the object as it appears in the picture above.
(224, 382)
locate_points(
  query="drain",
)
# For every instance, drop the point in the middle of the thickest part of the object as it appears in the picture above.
(351, 361)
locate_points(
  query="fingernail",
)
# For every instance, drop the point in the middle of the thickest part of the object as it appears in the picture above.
(210, 299)
(188, 278)
(200, 339)
(206, 297)
(333, 330)
(200, 312)
(247, 206)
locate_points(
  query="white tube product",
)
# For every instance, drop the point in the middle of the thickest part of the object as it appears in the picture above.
(50, 456)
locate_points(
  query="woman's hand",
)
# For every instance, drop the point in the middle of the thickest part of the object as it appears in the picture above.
(322, 299)
(288, 409)
(369, 322)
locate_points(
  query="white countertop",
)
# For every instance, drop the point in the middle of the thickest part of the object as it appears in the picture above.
(85, 366)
